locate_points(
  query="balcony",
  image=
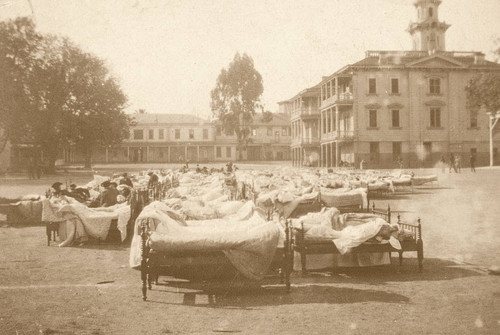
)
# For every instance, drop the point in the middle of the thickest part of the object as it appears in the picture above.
(305, 113)
(342, 135)
(342, 98)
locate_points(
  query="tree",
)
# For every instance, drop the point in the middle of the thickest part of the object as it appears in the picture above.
(483, 91)
(52, 92)
(96, 104)
(235, 97)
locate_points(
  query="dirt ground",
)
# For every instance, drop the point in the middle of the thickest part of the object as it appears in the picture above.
(91, 289)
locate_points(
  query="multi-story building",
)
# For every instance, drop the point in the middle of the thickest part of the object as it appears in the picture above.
(177, 138)
(305, 126)
(269, 140)
(408, 105)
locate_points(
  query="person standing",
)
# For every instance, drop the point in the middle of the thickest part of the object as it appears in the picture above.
(473, 163)
(442, 161)
(362, 164)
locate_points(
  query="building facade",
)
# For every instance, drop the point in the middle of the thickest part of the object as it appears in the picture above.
(177, 138)
(305, 126)
(404, 105)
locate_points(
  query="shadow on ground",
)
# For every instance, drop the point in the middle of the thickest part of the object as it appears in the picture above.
(314, 287)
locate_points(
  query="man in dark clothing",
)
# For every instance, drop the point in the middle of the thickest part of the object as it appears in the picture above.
(79, 193)
(108, 197)
(126, 180)
(153, 180)
(473, 163)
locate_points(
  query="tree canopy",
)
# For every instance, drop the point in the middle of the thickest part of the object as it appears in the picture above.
(236, 96)
(483, 91)
(54, 93)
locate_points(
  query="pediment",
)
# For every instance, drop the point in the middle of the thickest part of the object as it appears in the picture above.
(435, 102)
(373, 106)
(436, 61)
(395, 105)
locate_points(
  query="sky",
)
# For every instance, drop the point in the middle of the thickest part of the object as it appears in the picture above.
(167, 54)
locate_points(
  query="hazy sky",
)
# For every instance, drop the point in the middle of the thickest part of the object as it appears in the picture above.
(167, 53)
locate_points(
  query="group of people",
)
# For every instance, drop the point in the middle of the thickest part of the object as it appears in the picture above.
(455, 163)
(109, 196)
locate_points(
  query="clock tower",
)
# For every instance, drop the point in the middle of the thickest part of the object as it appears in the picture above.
(428, 32)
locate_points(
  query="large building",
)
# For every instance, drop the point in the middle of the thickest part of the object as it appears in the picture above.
(305, 126)
(408, 105)
(177, 138)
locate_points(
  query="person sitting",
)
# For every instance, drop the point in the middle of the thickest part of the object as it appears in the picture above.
(57, 191)
(198, 170)
(79, 193)
(126, 180)
(109, 195)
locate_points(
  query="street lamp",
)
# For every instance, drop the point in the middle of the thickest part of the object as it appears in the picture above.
(493, 122)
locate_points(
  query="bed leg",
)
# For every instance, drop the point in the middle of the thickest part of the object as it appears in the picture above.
(286, 263)
(400, 258)
(303, 250)
(49, 233)
(420, 246)
(144, 263)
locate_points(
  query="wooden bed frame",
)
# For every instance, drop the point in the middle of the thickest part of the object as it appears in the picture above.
(305, 247)
(155, 263)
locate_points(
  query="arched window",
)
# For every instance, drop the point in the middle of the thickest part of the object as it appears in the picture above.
(431, 11)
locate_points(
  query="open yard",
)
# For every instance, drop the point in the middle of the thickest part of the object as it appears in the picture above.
(91, 289)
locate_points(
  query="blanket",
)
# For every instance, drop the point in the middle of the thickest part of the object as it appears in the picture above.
(248, 244)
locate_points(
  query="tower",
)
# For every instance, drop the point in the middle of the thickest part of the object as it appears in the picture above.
(428, 32)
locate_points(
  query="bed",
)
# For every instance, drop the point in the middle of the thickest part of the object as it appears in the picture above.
(189, 253)
(409, 239)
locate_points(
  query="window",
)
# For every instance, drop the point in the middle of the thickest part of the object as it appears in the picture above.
(269, 131)
(284, 131)
(218, 152)
(395, 86)
(151, 134)
(324, 122)
(435, 117)
(205, 134)
(431, 11)
(219, 131)
(161, 134)
(434, 86)
(191, 134)
(395, 118)
(138, 134)
(177, 134)
(372, 86)
(473, 119)
(328, 90)
(228, 151)
(254, 132)
(328, 122)
(396, 151)
(374, 152)
(473, 151)
(373, 118)
(277, 136)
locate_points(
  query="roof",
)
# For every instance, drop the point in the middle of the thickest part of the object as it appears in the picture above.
(403, 58)
(279, 119)
(160, 118)
(308, 92)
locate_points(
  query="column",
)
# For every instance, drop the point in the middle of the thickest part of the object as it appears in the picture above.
(147, 153)
(168, 154)
(128, 154)
(106, 154)
(186, 153)
(198, 152)
(334, 158)
(337, 121)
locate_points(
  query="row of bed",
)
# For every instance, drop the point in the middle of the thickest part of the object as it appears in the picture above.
(247, 224)
(281, 232)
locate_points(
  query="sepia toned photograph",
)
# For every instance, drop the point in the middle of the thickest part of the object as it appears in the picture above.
(249, 167)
